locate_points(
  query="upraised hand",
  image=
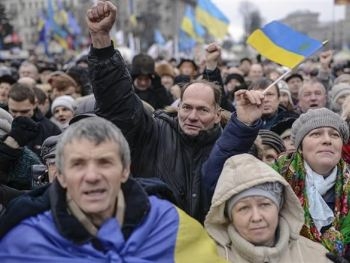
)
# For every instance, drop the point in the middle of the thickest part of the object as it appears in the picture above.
(212, 55)
(249, 105)
(100, 19)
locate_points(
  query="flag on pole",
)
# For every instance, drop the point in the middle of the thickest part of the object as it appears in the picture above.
(282, 44)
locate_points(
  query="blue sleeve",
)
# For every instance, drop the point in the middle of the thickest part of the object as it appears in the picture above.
(237, 138)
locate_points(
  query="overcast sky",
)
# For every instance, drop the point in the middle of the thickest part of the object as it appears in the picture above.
(277, 9)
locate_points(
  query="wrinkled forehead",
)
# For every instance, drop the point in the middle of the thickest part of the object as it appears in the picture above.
(313, 87)
(199, 93)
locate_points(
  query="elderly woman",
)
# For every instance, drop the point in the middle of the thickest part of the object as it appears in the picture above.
(320, 177)
(257, 217)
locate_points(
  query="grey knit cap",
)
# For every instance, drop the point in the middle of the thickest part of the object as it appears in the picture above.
(270, 190)
(317, 118)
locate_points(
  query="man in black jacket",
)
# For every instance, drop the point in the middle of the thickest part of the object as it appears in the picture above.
(22, 103)
(170, 147)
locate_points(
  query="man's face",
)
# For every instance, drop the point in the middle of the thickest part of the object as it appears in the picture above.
(187, 69)
(245, 66)
(313, 96)
(271, 102)
(255, 72)
(142, 82)
(21, 108)
(197, 110)
(28, 71)
(294, 84)
(92, 175)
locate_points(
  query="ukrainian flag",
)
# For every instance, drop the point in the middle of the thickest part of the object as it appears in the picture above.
(209, 16)
(283, 44)
(191, 26)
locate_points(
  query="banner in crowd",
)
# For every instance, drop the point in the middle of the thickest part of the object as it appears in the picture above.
(60, 25)
(282, 44)
(203, 19)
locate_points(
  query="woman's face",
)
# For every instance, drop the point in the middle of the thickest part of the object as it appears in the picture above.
(321, 149)
(256, 219)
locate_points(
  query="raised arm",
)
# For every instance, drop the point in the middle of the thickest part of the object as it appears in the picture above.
(237, 137)
(110, 78)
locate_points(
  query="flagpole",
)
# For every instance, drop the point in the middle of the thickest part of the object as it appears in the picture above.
(287, 72)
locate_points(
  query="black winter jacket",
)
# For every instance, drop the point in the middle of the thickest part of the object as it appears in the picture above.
(47, 129)
(158, 146)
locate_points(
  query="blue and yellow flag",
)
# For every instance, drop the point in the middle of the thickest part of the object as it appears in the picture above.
(210, 16)
(191, 26)
(282, 44)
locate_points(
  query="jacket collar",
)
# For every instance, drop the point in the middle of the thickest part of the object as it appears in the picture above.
(137, 207)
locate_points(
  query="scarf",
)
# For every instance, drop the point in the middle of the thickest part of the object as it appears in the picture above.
(86, 222)
(316, 186)
(337, 237)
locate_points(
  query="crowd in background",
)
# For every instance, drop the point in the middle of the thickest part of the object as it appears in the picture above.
(297, 128)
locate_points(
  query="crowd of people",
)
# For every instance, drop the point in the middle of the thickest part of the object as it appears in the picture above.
(159, 161)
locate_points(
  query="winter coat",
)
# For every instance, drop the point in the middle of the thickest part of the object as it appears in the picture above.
(158, 146)
(154, 230)
(15, 166)
(237, 176)
(47, 129)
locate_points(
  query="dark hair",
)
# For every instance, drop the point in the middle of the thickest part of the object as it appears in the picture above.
(262, 84)
(40, 95)
(21, 92)
(245, 59)
(215, 88)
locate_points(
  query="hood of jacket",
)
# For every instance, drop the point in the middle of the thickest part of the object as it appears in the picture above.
(242, 172)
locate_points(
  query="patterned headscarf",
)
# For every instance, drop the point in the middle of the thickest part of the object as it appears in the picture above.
(337, 237)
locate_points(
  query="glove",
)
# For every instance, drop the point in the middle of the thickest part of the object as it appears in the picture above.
(336, 259)
(23, 130)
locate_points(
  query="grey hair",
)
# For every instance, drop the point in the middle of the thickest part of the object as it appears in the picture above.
(93, 129)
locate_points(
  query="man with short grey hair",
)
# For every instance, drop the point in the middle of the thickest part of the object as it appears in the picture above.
(96, 213)
(312, 95)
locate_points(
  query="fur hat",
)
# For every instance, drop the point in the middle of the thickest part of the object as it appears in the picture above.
(142, 64)
(270, 190)
(165, 69)
(317, 118)
(5, 122)
(64, 101)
